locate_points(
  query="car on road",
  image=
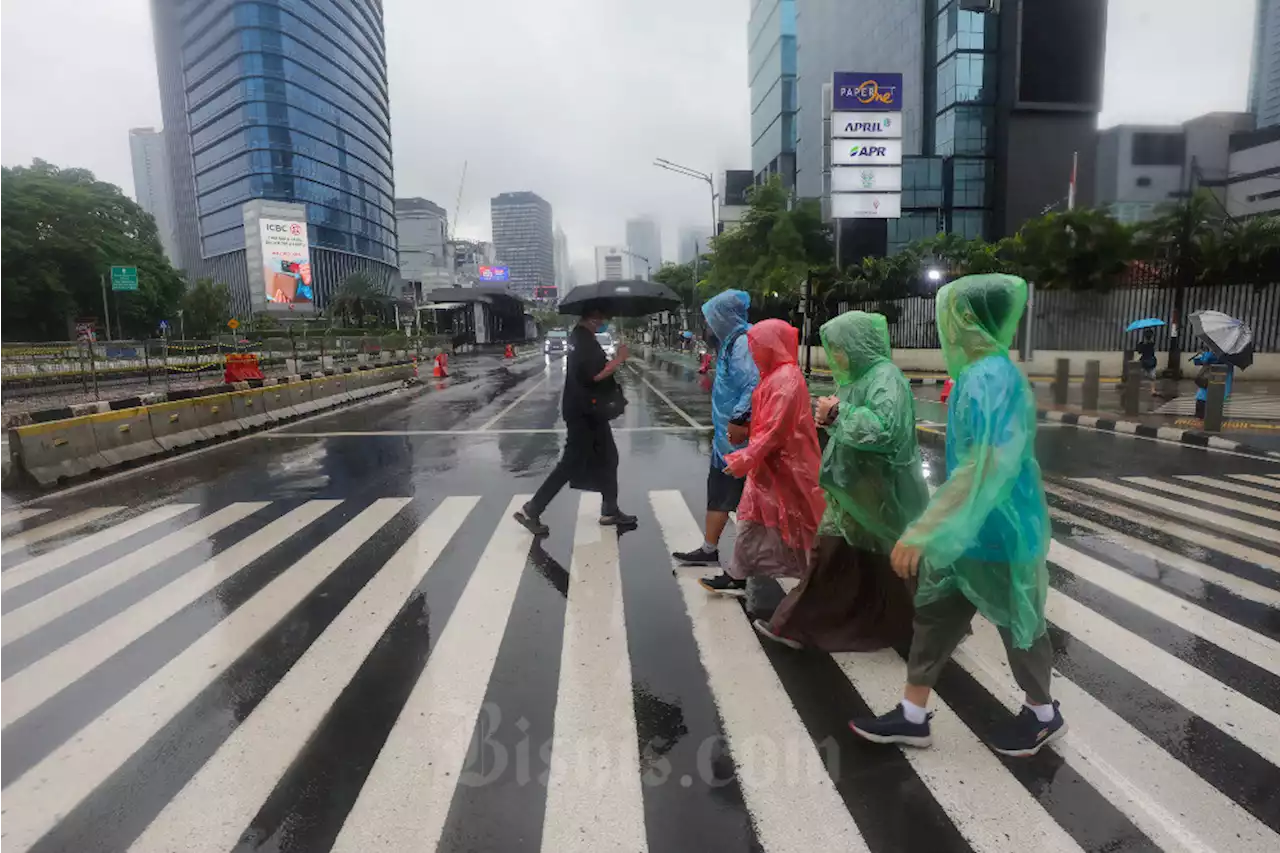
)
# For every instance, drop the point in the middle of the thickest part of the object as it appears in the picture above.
(607, 343)
(557, 341)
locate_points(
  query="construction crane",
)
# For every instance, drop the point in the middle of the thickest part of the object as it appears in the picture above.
(457, 205)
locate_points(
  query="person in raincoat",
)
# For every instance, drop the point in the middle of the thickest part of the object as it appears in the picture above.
(735, 380)
(980, 545)
(851, 600)
(1204, 360)
(781, 501)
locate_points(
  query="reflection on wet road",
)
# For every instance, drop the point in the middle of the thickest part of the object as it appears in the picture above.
(331, 636)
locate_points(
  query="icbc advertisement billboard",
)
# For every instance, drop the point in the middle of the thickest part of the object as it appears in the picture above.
(286, 260)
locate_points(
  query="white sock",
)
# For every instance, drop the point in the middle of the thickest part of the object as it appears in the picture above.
(913, 712)
(707, 547)
(1044, 713)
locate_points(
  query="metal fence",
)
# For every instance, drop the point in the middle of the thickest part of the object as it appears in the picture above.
(1095, 321)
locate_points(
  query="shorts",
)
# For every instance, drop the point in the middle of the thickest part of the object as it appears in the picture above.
(723, 490)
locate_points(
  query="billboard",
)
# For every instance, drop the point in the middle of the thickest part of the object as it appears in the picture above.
(489, 273)
(864, 92)
(866, 152)
(852, 125)
(866, 205)
(286, 263)
(867, 179)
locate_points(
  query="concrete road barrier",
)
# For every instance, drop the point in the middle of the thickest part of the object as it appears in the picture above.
(300, 396)
(358, 384)
(324, 392)
(216, 415)
(51, 451)
(175, 424)
(125, 435)
(279, 407)
(249, 408)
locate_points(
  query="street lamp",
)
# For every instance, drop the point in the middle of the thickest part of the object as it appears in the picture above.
(648, 268)
(693, 173)
(935, 275)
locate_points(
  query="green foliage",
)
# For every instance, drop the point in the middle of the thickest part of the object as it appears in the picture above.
(681, 278)
(1081, 249)
(206, 308)
(360, 299)
(62, 230)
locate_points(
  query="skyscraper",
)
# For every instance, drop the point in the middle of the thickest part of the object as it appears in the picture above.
(562, 262)
(151, 183)
(693, 242)
(277, 122)
(421, 227)
(644, 237)
(771, 74)
(522, 239)
(1264, 82)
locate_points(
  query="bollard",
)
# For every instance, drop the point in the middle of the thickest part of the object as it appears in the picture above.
(1092, 377)
(1063, 381)
(1132, 388)
(1216, 398)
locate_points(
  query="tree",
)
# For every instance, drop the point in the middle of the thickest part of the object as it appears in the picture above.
(1081, 249)
(359, 297)
(62, 230)
(206, 308)
(681, 279)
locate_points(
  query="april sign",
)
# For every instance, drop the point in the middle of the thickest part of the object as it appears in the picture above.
(866, 92)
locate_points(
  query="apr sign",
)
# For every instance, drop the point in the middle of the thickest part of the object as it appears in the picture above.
(866, 92)
(854, 125)
(866, 152)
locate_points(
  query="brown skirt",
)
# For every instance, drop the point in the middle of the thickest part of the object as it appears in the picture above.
(850, 601)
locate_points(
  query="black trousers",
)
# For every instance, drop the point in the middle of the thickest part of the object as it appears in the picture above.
(589, 462)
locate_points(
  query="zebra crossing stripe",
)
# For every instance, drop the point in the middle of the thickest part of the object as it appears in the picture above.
(1200, 538)
(28, 688)
(1194, 513)
(980, 807)
(61, 601)
(1239, 586)
(595, 765)
(40, 797)
(786, 787)
(405, 798)
(19, 515)
(1176, 808)
(51, 560)
(1253, 647)
(1215, 483)
(56, 528)
(1256, 478)
(1215, 500)
(1235, 714)
(211, 811)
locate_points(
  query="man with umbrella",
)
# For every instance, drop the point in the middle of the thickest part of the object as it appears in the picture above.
(1230, 343)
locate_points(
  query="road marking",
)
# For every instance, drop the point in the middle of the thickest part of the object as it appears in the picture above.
(517, 401)
(980, 807)
(405, 799)
(23, 620)
(595, 766)
(1256, 478)
(679, 411)
(1193, 513)
(1259, 650)
(1215, 483)
(212, 810)
(1239, 586)
(1126, 430)
(793, 802)
(1165, 799)
(1235, 714)
(18, 515)
(39, 798)
(428, 432)
(32, 686)
(56, 528)
(47, 562)
(1224, 503)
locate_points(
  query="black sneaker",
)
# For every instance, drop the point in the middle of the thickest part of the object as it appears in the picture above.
(531, 521)
(722, 584)
(894, 727)
(1023, 736)
(617, 518)
(697, 557)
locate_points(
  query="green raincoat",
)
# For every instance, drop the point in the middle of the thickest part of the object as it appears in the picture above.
(986, 531)
(871, 466)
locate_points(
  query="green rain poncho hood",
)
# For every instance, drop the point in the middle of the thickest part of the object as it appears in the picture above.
(986, 531)
(871, 466)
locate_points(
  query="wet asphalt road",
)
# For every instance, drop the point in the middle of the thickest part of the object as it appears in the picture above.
(330, 636)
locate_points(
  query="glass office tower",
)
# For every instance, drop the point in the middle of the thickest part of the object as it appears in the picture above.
(286, 101)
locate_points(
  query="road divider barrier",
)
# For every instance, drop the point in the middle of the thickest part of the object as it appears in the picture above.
(99, 437)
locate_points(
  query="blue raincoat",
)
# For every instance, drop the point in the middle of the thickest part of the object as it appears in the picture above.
(1208, 357)
(736, 371)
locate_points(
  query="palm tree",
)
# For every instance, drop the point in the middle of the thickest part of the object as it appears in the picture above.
(358, 297)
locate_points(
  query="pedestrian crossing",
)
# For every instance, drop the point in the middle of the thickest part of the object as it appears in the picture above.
(1238, 406)
(385, 673)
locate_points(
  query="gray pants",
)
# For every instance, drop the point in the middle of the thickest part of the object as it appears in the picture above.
(940, 627)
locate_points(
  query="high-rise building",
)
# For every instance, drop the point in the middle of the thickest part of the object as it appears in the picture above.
(615, 263)
(562, 262)
(693, 241)
(644, 237)
(523, 240)
(278, 110)
(421, 234)
(771, 74)
(151, 184)
(1264, 82)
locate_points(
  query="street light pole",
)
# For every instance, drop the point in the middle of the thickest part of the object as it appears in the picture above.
(693, 173)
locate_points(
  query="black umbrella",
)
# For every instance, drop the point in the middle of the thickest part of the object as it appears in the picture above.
(633, 298)
(1228, 338)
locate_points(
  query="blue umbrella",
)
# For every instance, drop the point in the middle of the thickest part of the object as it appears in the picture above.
(1149, 323)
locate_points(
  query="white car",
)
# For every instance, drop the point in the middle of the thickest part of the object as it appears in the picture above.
(607, 342)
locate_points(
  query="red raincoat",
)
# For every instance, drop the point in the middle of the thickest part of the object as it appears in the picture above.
(782, 460)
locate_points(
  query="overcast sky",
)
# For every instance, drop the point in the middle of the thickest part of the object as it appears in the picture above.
(569, 98)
